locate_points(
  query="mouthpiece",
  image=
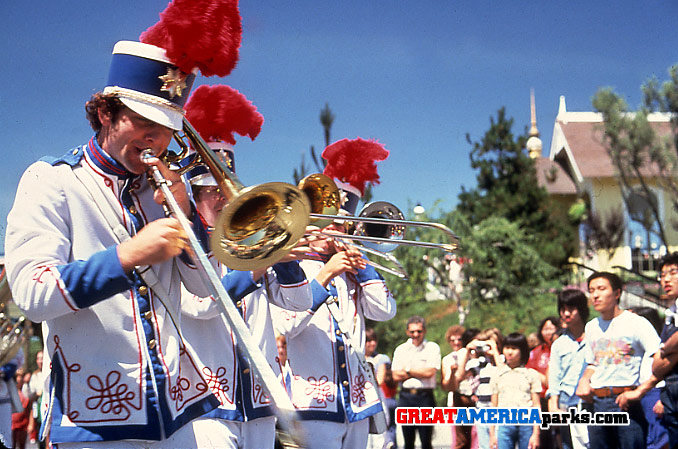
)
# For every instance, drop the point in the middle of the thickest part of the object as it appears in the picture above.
(146, 154)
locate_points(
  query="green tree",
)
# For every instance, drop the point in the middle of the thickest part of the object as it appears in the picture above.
(643, 155)
(507, 187)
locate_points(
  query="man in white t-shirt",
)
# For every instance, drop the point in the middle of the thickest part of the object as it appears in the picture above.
(416, 363)
(616, 343)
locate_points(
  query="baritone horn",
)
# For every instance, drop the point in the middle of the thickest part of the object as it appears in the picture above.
(260, 224)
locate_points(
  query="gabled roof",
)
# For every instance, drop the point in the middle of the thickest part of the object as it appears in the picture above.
(578, 138)
(553, 177)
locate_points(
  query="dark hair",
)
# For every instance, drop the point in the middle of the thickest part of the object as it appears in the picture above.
(454, 330)
(371, 334)
(572, 297)
(518, 340)
(494, 333)
(108, 103)
(650, 315)
(669, 259)
(614, 280)
(469, 335)
(416, 319)
(551, 319)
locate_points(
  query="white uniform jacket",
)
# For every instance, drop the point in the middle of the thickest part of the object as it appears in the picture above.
(115, 366)
(228, 373)
(327, 382)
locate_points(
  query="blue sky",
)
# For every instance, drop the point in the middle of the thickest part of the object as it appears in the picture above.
(417, 76)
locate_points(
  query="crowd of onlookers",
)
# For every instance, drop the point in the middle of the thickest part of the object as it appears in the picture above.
(25, 416)
(619, 361)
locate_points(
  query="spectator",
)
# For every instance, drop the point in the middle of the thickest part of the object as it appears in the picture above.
(664, 365)
(8, 396)
(489, 349)
(415, 364)
(466, 379)
(34, 392)
(21, 417)
(616, 343)
(514, 385)
(539, 361)
(384, 375)
(532, 340)
(566, 364)
(657, 435)
(453, 336)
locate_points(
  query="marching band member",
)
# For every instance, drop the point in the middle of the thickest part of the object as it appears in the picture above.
(245, 418)
(91, 254)
(332, 396)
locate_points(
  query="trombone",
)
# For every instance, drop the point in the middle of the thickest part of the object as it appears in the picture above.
(325, 200)
(258, 227)
(260, 224)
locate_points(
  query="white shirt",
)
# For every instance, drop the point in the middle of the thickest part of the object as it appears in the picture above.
(407, 356)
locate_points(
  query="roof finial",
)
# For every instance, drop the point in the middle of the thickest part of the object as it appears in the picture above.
(534, 145)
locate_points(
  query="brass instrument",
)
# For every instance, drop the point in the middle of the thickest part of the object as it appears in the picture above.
(272, 386)
(391, 225)
(260, 224)
(12, 333)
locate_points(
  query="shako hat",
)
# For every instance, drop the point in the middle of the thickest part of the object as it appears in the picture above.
(154, 77)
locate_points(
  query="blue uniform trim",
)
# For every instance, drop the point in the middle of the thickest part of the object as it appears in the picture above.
(368, 274)
(320, 295)
(71, 157)
(9, 370)
(289, 273)
(143, 75)
(239, 284)
(98, 278)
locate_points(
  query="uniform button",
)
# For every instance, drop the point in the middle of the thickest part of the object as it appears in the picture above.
(238, 304)
(338, 332)
(75, 152)
(343, 365)
(132, 210)
(345, 383)
(143, 290)
(341, 348)
(151, 344)
(246, 371)
(148, 315)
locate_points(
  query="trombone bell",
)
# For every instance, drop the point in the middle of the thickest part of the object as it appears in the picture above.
(392, 232)
(323, 195)
(260, 226)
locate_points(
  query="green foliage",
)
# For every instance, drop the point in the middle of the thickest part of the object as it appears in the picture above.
(639, 153)
(507, 187)
(505, 264)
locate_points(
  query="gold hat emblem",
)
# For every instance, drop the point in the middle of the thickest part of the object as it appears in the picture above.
(174, 82)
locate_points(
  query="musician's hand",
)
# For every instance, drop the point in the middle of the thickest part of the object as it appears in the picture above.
(350, 261)
(175, 184)
(158, 241)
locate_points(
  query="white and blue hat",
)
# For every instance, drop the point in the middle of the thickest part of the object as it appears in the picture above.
(147, 82)
(200, 176)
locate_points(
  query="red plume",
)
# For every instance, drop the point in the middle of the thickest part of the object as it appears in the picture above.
(353, 161)
(217, 112)
(199, 33)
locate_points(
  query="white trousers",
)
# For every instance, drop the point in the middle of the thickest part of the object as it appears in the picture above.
(334, 435)
(201, 433)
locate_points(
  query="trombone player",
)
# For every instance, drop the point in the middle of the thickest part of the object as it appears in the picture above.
(244, 418)
(333, 398)
(91, 254)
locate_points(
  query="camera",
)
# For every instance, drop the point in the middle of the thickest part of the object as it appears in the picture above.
(482, 347)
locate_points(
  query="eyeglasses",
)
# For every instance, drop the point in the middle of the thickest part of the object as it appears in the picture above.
(669, 273)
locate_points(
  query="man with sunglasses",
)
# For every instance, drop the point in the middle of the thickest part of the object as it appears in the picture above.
(416, 363)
